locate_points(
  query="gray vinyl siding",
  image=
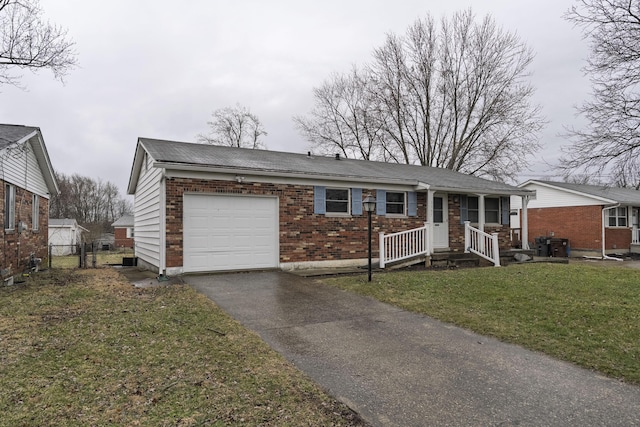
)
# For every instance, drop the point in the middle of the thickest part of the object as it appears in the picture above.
(147, 215)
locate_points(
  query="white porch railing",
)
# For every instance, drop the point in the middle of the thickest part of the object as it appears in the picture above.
(635, 237)
(403, 245)
(481, 243)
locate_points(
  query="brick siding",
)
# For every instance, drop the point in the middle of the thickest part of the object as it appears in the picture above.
(17, 247)
(120, 238)
(582, 225)
(305, 236)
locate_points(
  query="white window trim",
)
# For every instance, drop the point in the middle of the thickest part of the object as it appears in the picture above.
(35, 221)
(485, 210)
(405, 207)
(608, 216)
(337, 214)
(11, 190)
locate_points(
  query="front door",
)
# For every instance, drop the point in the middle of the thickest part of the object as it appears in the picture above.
(440, 222)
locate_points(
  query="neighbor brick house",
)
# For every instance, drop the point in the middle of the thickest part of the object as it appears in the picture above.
(597, 220)
(210, 208)
(123, 232)
(26, 186)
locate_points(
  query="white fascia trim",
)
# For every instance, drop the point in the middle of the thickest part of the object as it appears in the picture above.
(297, 175)
(413, 184)
(579, 193)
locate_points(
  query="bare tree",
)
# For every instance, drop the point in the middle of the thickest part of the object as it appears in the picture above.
(453, 95)
(234, 127)
(611, 141)
(88, 201)
(28, 42)
(344, 120)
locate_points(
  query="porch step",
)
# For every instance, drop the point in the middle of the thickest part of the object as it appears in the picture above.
(456, 260)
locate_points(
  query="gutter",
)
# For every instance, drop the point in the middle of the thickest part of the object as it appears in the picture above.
(417, 185)
(604, 255)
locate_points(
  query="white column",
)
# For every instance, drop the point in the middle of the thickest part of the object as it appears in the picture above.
(524, 227)
(481, 216)
(430, 220)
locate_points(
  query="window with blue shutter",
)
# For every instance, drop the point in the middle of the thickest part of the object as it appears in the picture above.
(319, 200)
(356, 201)
(381, 202)
(412, 203)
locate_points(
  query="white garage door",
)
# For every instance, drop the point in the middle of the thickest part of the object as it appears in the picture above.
(230, 232)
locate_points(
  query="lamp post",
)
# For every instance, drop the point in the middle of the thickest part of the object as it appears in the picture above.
(369, 205)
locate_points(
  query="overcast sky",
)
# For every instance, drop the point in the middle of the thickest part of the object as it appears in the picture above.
(158, 69)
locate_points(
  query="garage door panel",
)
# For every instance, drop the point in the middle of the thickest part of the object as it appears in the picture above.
(230, 232)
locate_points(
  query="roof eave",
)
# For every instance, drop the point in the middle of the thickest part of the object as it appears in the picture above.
(580, 193)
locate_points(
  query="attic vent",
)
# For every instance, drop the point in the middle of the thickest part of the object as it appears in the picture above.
(337, 156)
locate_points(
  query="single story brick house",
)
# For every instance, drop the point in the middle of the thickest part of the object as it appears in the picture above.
(26, 186)
(210, 208)
(123, 232)
(65, 234)
(597, 220)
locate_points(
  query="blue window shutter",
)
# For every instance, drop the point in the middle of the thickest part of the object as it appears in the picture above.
(319, 200)
(381, 202)
(356, 201)
(464, 209)
(505, 203)
(412, 203)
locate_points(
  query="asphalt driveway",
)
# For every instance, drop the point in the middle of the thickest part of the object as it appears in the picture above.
(397, 368)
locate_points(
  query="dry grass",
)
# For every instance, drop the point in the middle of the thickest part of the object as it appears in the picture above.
(84, 347)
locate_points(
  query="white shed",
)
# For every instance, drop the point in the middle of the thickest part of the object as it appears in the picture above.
(64, 235)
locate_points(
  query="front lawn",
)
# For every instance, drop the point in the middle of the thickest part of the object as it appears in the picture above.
(583, 313)
(84, 347)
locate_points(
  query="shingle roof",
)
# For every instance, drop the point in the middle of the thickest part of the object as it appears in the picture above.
(177, 154)
(13, 133)
(124, 221)
(62, 222)
(627, 196)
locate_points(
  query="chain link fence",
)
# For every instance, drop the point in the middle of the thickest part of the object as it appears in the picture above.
(86, 255)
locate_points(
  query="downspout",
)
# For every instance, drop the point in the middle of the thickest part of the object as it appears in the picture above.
(524, 225)
(163, 225)
(604, 255)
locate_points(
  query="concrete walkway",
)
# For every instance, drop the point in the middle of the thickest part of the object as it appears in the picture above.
(401, 369)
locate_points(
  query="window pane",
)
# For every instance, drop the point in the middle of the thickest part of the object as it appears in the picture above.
(438, 215)
(336, 194)
(612, 221)
(337, 207)
(491, 204)
(491, 217)
(473, 215)
(395, 203)
(622, 222)
(492, 210)
(472, 203)
(395, 209)
(395, 197)
(337, 200)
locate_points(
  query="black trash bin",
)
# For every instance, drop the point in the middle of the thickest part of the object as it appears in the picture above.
(559, 247)
(542, 246)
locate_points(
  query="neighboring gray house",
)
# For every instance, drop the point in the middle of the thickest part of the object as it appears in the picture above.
(64, 236)
(202, 207)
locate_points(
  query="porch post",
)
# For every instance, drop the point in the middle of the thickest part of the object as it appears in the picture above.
(430, 221)
(481, 216)
(524, 226)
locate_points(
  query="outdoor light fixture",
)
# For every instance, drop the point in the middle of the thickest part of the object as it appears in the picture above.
(369, 205)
